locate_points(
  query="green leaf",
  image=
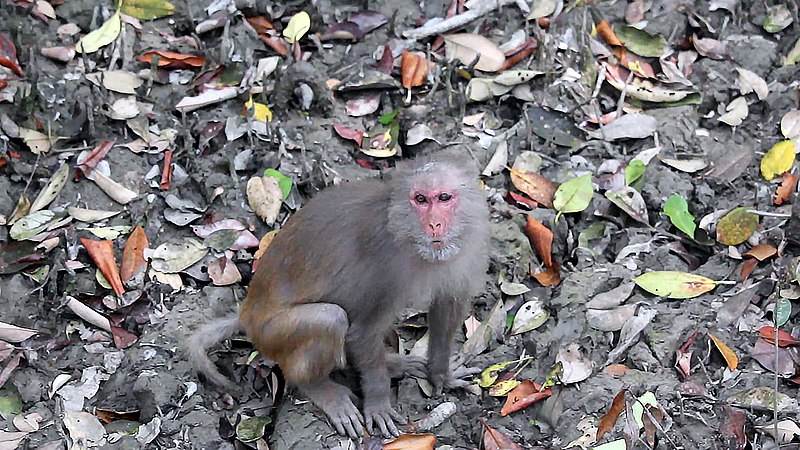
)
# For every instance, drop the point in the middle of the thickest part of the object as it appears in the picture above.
(147, 9)
(387, 118)
(102, 36)
(573, 195)
(640, 42)
(783, 309)
(284, 182)
(677, 210)
(673, 284)
(737, 226)
(634, 171)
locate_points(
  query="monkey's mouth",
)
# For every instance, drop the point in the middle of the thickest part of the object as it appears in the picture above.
(437, 244)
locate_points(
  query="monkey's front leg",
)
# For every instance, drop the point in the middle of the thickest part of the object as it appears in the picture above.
(444, 317)
(369, 358)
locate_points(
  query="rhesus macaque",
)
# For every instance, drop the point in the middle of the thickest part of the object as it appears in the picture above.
(336, 277)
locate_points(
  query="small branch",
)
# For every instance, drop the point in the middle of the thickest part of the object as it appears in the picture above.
(456, 21)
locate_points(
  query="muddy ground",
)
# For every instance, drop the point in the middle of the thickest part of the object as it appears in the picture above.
(146, 392)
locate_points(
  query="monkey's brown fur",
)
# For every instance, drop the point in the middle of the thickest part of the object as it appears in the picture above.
(336, 276)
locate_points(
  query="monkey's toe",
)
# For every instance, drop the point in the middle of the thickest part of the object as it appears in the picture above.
(406, 365)
(384, 419)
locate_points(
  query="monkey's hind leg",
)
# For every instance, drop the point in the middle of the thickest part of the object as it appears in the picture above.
(307, 341)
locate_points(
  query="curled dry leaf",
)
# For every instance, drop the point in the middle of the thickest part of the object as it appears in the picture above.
(609, 419)
(783, 193)
(730, 357)
(102, 253)
(750, 82)
(535, 186)
(469, 47)
(541, 239)
(737, 111)
(13, 333)
(265, 197)
(523, 395)
(133, 261)
(413, 69)
(172, 60)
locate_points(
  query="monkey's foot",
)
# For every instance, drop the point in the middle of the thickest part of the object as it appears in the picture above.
(406, 365)
(460, 375)
(336, 401)
(384, 417)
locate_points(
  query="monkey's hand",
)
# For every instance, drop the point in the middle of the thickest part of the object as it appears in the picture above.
(453, 377)
(406, 365)
(382, 415)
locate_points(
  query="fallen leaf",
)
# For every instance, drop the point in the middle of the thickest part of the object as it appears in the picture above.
(102, 253)
(550, 277)
(783, 193)
(147, 9)
(686, 165)
(677, 210)
(297, 27)
(750, 82)
(761, 252)
(208, 97)
(779, 159)
(641, 42)
(411, 442)
(265, 197)
(737, 111)
(52, 189)
(790, 123)
(784, 339)
(469, 47)
(526, 393)
(173, 60)
(133, 261)
(737, 226)
(535, 186)
(609, 419)
(606, 32)
(541, 239)
(15, 334)
(710, 48)
(530, 316)
(730, 357)
(573, 195)
(8, 55)
(413, 69)
(106, 34)
(575, 363)
(672, 284)
(631, 201)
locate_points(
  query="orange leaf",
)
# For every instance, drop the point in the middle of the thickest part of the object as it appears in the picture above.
(133, 255)
(260, 24)
(609, 419)
(3, 84)
(784, 192)
(166, 173)
(536, 186)
(525, 394)
(606, 32)
(541, 239)
(95, 156)
(413, 69)
(748, 267)
(727, 353)
(633, 62)
(172, 60)
(616, 370)
(649, 427)
(550, 277)
(784, 339)
(762, 252)
(495, 440)
(412, 442)
(102, 253)
(279, 45)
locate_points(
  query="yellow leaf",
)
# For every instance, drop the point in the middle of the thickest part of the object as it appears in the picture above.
(100, 37)
(261, 112)
(779, 159)
(147, 9)
(298, 26)
(673, 284)
(727, 353)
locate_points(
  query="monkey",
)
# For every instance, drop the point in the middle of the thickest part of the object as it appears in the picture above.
(338, 274)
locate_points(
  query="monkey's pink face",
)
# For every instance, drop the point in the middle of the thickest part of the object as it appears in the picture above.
(435, 210)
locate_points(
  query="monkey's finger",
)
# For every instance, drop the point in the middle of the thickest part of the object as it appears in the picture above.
(397, 417)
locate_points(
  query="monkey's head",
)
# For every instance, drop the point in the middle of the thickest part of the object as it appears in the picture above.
(435, 203)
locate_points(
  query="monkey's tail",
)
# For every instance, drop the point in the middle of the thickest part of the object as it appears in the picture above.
(207, 336)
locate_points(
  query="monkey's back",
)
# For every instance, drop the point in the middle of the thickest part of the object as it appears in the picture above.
(327, 252)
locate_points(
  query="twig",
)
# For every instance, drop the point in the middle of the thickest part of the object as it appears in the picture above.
(769, 214)
(456, 21)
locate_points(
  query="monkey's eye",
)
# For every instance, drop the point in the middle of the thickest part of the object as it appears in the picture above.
(419, 198)
(444, 197)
